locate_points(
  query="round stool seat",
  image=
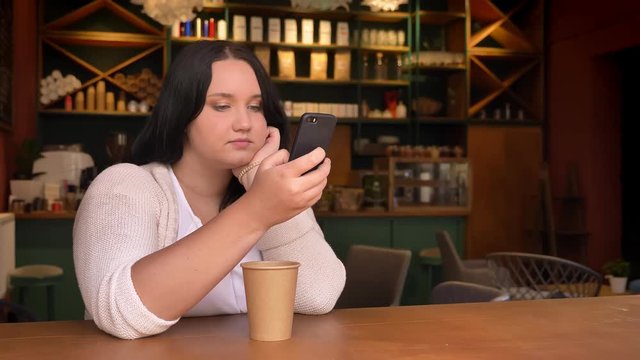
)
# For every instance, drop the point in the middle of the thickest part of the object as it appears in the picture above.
(35, 275)
(40, 275)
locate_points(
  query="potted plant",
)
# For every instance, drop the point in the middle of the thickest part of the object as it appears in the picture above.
(617, 272)
(23, 183)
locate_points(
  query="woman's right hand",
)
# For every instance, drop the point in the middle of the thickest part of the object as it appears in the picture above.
(280, 191)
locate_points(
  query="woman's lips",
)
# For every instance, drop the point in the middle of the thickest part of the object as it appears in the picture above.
(240, 143)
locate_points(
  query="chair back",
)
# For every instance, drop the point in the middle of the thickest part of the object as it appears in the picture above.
(532, 276)
(452, 266)
(453, 292)
(375, 276)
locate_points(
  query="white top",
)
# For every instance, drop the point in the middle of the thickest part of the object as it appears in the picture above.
(132, 211)
(228, 296)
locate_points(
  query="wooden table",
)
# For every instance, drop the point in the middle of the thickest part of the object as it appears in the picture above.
(588, 328)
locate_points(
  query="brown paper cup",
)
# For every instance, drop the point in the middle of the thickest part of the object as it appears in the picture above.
(270, 288)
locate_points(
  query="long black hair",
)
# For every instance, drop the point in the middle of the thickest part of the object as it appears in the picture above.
(182, 98)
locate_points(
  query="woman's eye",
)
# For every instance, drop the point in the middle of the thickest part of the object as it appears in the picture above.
(255, 107)
(221, 107)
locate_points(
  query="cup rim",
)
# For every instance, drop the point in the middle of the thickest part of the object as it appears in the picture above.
(270, 265)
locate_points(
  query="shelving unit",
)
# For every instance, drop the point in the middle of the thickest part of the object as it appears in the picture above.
(76, 42)
(505, 56)
(418, 184)
(499, 61)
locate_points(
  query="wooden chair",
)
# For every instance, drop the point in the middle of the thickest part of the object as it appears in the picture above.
(375, 276)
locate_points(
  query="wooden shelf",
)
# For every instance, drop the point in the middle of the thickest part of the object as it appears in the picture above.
(498, 45)
(386, 49)
(385, 82)
(417, 183)
(93, 113)
(284, 11)
(445, 68)
(341, 120)
(440, 120)
(96, 5)
(192, 39)
(388, 17)
(427, 210)
(501, 53)
(277, 79)
(513, 122)
(385, 121)
(428, 160)
(439, 17)
(103, 38)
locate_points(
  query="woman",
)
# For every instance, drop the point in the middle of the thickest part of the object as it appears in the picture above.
(210, 189)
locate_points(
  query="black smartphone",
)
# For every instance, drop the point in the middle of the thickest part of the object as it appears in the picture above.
(315, 130)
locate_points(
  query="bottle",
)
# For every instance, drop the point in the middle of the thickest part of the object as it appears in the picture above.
(68, 103)
(425, 191)
(212, 28)
(462, 191)
(91, 98)
(507, 111)
(364, 109)
(110, 103)
(175, 29)
(121, 103)
(380, 68)
(198, 26)
(401, 110)
(365, 66)
(79, 101)
(100, 95)
(398, 67)
(222, 29)
(187, 28)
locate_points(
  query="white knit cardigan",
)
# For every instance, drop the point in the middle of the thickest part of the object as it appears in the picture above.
(131, 211)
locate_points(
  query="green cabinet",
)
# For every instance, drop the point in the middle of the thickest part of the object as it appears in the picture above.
(412, 233)
(49, 241)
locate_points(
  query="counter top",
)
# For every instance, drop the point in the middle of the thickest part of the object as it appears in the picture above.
(46, 215)
(581, 328)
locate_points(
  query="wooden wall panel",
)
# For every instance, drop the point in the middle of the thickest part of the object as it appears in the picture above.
(506, 163)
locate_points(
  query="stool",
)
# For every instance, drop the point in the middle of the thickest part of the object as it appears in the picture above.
(28, 276)
(430, 258)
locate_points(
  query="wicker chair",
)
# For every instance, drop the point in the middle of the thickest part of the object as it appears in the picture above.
(531, 276)
(455, 292)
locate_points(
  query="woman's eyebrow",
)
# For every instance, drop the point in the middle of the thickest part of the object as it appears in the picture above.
(227, 95)
(221, 94)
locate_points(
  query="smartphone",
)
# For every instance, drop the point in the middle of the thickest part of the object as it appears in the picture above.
(315, 130)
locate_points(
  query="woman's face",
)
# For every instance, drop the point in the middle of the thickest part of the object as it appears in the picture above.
(231, 127)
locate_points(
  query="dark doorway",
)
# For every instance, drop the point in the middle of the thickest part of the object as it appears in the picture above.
(630, 176)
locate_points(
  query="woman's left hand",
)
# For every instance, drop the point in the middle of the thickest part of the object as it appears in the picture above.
(271, 145)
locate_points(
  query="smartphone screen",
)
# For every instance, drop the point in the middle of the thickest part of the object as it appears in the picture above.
(315, 130)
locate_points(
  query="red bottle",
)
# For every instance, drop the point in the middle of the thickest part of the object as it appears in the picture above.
(68, 103)
(212, 28)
